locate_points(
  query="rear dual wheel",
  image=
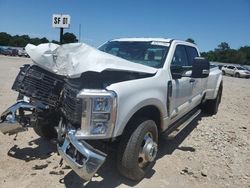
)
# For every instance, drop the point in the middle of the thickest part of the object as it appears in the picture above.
(211, 106)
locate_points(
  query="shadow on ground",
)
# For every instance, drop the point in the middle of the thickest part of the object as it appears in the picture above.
(108, 174)
(167, 147)
(38, 149)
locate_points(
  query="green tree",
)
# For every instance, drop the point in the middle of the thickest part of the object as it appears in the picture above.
(246, 51)
(190, 40)
(69, 38)
(26, 37)
(55, 42)
(4, 39)
(211, 55)
(224, 46)
(44, 40)
(18, 42)
(35, 41)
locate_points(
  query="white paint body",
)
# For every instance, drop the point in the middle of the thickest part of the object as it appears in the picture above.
(136, 94)
(73, 59)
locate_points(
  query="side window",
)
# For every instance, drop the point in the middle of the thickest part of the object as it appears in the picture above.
(114, 51)
(192, 53)
(180, 56)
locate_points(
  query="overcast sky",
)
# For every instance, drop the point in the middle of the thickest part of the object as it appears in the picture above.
(207, 22)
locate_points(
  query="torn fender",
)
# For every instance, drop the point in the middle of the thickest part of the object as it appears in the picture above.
(76, 58)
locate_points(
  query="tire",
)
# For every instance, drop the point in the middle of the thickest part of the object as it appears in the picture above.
(132, 161)
(45, 129)
(211, 106)
(223, 72)
(237, 75)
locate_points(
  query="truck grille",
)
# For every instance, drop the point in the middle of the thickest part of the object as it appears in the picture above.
(71, 105)
(39, 84)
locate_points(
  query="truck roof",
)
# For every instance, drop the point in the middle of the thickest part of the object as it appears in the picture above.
(142, 39)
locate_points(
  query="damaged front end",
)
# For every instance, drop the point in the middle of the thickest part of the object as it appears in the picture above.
(42, 92)
(14, 119)
(87, 114)
(65, 91)
(39, 94)
(80, 156)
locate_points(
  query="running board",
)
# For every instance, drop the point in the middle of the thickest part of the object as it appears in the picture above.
(177, 127)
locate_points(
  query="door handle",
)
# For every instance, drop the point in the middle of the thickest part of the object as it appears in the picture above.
(192, 80)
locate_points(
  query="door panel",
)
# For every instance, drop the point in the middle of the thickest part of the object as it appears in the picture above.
(182, 87)
(199, 84)
(182, 92)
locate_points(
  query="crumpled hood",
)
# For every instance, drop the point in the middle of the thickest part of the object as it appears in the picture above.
(74, 59)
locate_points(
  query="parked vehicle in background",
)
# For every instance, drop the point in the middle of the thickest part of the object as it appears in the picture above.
(220, 66)
(9, 51)
(1, 50)
(4, 51)
(236, 71)
(14, 52)
(22, 53)
(247, 67)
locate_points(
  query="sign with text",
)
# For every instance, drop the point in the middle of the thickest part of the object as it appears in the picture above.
(60, 21)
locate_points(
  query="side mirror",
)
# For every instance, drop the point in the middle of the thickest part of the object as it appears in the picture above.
(176, 71)
(200, 68)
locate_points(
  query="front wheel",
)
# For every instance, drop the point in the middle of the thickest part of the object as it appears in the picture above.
(45, 126)
(138, 149)
(237, 75)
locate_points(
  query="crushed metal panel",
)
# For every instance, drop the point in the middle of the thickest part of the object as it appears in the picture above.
(74, 59)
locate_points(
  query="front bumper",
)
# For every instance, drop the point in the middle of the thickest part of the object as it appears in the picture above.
(244, 75)
(11, 122)
(81, 157)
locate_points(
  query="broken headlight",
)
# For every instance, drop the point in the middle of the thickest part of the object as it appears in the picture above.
(98, 113)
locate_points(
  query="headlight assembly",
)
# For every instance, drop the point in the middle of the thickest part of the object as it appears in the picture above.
(101, 104)
(98, 114)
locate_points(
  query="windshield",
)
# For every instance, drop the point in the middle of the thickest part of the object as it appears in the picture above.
(241, 68)
(146, 53)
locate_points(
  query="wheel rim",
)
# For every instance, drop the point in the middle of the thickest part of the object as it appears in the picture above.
(148, 150)
(61, 132)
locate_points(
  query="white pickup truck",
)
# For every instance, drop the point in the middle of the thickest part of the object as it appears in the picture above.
(125, 94)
